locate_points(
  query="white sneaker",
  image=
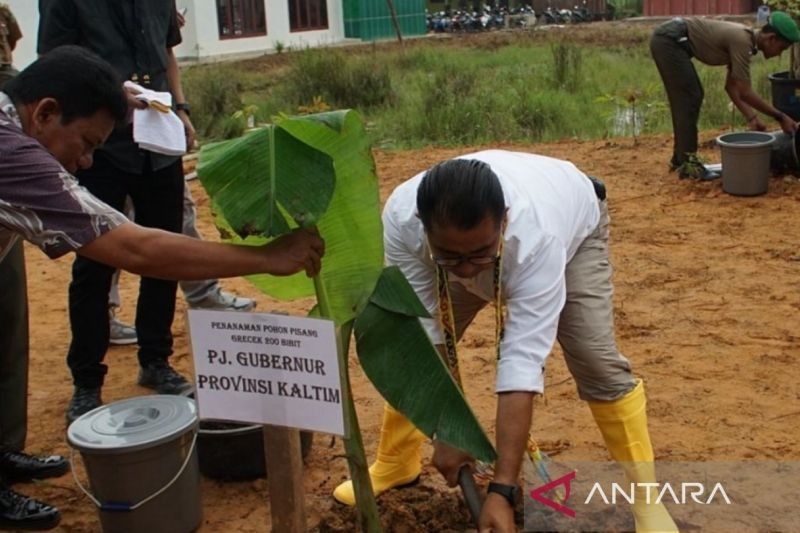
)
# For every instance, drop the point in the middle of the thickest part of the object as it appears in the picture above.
(120, 332)
(224, 301)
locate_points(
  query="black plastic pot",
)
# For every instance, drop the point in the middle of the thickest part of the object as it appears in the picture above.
(784, 153)
(228, 451)
(785, 94)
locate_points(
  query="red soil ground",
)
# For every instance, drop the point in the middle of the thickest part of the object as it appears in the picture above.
(706, 309)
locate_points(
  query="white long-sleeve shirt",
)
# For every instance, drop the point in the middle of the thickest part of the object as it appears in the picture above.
(552, 208)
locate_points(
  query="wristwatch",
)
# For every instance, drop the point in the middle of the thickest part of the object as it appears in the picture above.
(509, 492)
(183, 106)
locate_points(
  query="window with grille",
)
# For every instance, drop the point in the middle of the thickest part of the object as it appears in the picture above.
(307, 15)
(241, 18)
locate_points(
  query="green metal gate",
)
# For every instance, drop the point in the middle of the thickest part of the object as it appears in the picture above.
(369, 20)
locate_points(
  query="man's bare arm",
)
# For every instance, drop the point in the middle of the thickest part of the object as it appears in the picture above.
(160, 254)
(744, 97)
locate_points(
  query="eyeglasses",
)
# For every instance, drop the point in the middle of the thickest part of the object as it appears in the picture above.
(477, 260)
(455, 261)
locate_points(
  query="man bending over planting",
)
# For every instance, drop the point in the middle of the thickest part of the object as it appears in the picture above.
(528, 234)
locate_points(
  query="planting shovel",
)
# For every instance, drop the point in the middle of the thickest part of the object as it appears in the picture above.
(471, 494)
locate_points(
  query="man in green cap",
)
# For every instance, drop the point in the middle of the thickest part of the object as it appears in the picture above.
(715, 42)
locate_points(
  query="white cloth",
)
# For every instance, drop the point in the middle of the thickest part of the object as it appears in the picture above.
(155, 130)
(552, 208)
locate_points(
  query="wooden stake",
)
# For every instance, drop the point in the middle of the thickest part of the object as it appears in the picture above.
(285, 477)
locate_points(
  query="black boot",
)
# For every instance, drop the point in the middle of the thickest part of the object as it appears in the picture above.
(163, 379)
(18, 466)
(83, 400)
(23, 513)
(693, 168)
(674, 163)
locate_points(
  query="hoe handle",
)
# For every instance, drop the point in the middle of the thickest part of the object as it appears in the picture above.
(471, 494)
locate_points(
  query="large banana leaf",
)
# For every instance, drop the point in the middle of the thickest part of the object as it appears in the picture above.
(241, 177)
(318, 170)
(399, 359)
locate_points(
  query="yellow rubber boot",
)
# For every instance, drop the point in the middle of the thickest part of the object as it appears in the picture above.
(399, 461)
(623, 424)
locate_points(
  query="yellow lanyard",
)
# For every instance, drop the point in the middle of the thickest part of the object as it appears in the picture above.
(448, 324)
(447, 320)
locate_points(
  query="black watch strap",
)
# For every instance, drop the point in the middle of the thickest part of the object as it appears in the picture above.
(509, 492)
(183, 106)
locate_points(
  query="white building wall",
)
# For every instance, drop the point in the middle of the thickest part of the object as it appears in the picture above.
(201, 34)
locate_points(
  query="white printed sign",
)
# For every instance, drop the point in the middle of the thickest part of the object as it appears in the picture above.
(267, 369)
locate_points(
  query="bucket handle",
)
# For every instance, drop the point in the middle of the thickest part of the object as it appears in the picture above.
(122, 506)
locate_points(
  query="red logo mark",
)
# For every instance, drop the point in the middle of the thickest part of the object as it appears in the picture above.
(538, 494)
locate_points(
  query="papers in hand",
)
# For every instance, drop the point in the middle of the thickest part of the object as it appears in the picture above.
(156, 128)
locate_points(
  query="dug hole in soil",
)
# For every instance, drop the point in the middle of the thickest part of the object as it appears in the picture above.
(706, 309)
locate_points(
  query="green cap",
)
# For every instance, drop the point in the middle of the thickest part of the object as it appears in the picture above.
(785, 26)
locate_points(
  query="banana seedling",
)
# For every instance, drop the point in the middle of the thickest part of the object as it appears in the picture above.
(318, 170)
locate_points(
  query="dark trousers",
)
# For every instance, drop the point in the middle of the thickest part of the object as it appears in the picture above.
(684, 90)
(157, 198)
(13, 350)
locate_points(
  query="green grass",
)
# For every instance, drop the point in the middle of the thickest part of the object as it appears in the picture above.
(515, 87)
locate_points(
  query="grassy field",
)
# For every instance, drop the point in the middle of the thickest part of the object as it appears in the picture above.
(584, 82)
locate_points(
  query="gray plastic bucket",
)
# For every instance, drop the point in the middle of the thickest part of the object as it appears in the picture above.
(745, 162)
(141, 461)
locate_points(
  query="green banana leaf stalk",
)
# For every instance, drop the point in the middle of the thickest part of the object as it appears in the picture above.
(318, 170)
